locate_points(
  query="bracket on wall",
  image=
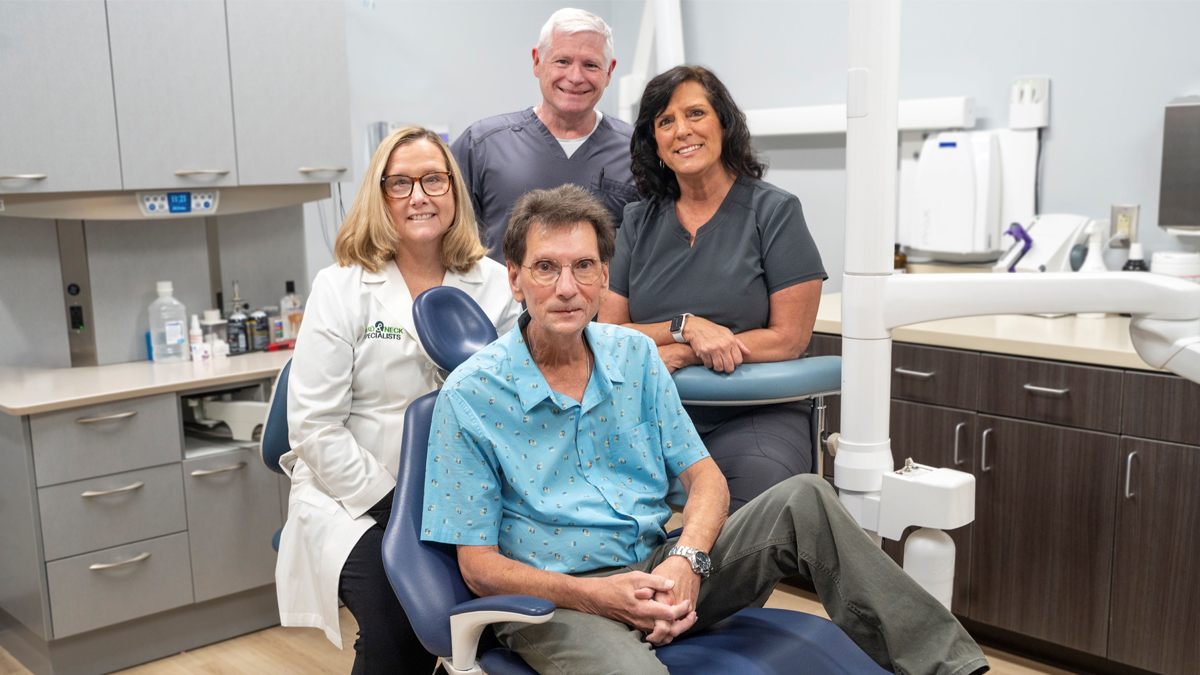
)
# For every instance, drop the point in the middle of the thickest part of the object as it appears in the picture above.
(77, 292)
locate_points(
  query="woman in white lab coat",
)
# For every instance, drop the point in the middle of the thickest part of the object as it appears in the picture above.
(358, 365)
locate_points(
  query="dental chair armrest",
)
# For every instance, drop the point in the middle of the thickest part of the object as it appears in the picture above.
(468, 619)
(760, 383)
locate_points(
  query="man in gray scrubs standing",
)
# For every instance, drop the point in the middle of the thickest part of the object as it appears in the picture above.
(562, 140)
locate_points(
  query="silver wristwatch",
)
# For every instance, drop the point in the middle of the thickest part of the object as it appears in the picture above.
(699, 559)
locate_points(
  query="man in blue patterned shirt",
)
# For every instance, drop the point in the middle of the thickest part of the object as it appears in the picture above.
(550, 455)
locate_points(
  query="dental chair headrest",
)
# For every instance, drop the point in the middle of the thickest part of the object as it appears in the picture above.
(451, 326)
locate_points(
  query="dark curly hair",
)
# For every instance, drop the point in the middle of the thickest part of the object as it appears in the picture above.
(737, 154)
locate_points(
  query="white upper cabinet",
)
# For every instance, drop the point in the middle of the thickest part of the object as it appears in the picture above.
(58, 129)
(291, 98)
(170, 68)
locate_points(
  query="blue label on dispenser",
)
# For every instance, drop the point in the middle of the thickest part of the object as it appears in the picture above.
(179, 202)
(945, 144)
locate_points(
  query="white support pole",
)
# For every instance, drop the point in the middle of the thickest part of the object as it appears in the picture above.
(630, 86)
(872, 103)
(668, 28)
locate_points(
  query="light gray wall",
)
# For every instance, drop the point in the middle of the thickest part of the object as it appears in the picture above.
(126, 259)
(262, 250)
(33, 316)
(1113, 67)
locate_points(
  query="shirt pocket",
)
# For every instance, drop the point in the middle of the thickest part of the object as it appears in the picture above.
(635, 459)
(614, 195)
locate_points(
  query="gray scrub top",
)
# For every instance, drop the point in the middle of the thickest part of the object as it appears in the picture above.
(757, 243)
(505, 156)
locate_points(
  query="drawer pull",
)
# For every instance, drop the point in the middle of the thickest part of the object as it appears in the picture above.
(957, 429)
(1129, 473)
(1046, 390)
(100, 493)
(109, 566)
(105, 418)
(983, 452)
(209, 472)
(25, 176)
(202, 172)
(913, 373)
(321, 169)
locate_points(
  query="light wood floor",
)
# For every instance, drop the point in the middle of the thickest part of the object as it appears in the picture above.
(285, 651)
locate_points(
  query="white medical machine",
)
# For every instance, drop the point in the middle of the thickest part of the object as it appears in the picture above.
(1165, 327)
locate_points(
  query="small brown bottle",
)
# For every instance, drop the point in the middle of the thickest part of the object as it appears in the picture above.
(899, 262)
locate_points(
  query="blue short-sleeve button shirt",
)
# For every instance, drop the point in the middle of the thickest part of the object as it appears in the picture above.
(558, 484)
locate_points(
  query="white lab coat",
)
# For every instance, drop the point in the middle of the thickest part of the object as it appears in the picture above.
(349, 387)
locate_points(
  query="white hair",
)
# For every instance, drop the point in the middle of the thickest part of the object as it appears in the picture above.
(570, 21)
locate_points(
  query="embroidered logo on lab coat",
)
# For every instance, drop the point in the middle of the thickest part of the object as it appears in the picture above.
(382, 332)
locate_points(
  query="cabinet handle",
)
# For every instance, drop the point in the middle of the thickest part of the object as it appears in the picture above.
(321, 169)
(1128, 473)
(913, 373)
(957, 428)
(101, 493)
(24, 176)
(109, 566)
(1046, 390)
(202, 172)
(105, 418)
(983, 452)
(210, 472)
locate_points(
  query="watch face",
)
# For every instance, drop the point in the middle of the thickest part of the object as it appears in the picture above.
(677, 324)
(703, 564)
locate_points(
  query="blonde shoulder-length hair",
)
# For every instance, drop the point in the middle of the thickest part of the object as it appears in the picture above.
(368, 237)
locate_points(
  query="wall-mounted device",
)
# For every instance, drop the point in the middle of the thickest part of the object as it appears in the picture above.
(1029, 103)
(1179, 192)
(175, 202)
(1124, 225)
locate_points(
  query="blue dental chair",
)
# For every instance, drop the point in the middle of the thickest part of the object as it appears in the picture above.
(448, 619)
(275, 432)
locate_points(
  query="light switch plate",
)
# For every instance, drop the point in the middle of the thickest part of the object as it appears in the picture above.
(1029, 104)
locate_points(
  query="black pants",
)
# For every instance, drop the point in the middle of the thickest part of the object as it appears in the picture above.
(386, 642)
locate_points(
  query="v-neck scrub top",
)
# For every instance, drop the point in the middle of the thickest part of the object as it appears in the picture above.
(505, 156)
(757, 243)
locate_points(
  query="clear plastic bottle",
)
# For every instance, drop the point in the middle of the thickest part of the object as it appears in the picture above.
(237, 335)
(168, 327)
(291, 308)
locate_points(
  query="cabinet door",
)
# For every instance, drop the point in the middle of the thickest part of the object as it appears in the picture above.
(1041, 552)
(940, 437)
(170, 63)
(233, 511)
(1155, 613)
(290, 91)
(56, 99)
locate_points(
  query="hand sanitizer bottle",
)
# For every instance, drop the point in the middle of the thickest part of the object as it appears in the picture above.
(168, 327)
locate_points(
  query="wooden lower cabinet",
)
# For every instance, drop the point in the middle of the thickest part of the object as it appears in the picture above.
(1155, 622)
(928, 434)
(1041, 554)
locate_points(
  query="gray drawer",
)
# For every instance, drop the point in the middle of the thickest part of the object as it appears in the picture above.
(1048, 391)
(233, 511)
(84, 599)
(105, 438)
(73, 523)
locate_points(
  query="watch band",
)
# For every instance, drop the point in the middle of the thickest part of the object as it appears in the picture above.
(698, 559)
(678, 334)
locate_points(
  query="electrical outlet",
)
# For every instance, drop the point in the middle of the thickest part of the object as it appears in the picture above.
(1124, 225)
(1029, 104)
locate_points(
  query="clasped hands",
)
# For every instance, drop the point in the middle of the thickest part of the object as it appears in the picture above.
(660, 604)
(715, 345)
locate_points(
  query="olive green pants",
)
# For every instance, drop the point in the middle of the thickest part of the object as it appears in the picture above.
(795, 527)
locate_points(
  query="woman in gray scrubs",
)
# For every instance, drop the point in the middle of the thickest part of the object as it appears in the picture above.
(718, 268)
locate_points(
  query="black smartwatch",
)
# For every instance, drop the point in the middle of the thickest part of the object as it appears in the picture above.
(677, 324)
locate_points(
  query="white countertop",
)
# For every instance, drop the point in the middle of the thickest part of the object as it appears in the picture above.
(26, 391)
(1101, 342)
